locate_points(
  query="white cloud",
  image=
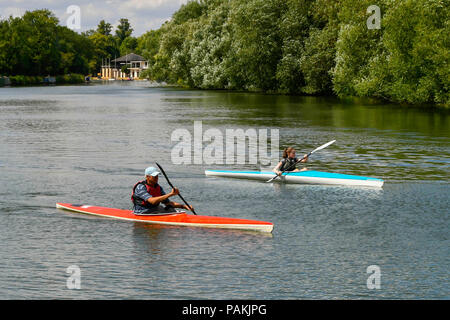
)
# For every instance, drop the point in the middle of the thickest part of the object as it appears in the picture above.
(11, 11)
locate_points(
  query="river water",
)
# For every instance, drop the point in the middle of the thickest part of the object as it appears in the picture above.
(90, 143)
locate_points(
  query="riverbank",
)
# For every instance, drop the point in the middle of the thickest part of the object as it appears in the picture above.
(344, 100)
(313, 48)
(22, 80)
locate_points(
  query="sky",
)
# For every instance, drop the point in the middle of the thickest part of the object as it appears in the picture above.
(144, 15)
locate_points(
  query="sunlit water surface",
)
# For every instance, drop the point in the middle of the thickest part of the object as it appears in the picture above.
(90, 143)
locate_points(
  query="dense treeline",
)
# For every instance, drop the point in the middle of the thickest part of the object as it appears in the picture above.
(36, 45)
(315, 47)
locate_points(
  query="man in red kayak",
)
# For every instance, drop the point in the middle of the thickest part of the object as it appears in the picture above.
(147, 196)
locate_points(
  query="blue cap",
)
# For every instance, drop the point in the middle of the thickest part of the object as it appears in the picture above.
(151, 171)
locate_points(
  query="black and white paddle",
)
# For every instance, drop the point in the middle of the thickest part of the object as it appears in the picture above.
(171, 185)
(293, 165)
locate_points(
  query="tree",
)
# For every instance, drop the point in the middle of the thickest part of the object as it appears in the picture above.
(123, 30)
(148, 44)
(148, 47)
(4, 47)
(318, 47)
(129, 44)
(125, 69)
(76, 52)
(190, 10)
(104, 28)
(30, 44)
(257, 43)
(404, 61)
(209, 49)
(295, 24)
(35, 45)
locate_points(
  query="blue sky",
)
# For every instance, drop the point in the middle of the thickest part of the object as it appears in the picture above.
(143, 15)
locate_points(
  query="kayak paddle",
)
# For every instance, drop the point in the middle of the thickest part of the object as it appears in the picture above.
(171, 185)
(317, 149)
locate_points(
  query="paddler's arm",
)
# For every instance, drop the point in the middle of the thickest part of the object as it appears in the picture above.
(276, 170)
(174, 204)
(157, 200)
(305, 159)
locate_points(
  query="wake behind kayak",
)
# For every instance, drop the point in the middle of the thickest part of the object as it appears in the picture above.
(171, 219)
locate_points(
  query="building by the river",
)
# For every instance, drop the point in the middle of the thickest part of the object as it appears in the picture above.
(112, 69)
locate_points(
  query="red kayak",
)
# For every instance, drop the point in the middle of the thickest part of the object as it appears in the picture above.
(173, 219)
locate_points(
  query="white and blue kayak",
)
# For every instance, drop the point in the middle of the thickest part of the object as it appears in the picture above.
(302, 177)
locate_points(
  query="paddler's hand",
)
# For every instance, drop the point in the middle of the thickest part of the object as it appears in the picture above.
(174, 192)
(190, 208)
(305, 158)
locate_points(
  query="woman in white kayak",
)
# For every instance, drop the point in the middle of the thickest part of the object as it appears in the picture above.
(289, 162)
(147, 196)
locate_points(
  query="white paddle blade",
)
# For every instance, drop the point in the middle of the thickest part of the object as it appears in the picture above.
(271, 179)
(323, 146)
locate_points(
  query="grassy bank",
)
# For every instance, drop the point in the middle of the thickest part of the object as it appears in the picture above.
(21, 80)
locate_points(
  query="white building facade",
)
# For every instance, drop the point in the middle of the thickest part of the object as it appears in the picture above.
(113, 69)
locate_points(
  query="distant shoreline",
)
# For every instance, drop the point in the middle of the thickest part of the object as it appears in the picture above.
(22, 80)
(346, 100)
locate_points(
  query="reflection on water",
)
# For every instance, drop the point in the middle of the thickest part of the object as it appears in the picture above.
(89, 144)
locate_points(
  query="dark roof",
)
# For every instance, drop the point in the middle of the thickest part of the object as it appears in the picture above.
(129, 57)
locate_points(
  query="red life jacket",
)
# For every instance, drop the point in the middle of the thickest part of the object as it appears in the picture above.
(153, 191)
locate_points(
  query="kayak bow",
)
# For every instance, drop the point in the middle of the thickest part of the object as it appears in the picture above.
(302, 177)
(172, 219)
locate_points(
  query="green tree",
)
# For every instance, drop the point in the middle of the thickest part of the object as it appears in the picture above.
(148, 44)
(294, 29)
(123, 30)
(209, 49)
(318, 47)
(190, 10)
(404, 61)
(76, 52)
(148, 47)
(257, 43)
(415, 54)
(101, 44)
(35, 45)
(104, 28)
(129, 45)
(125, 69)
(4, 47)
(30, 44)
(356, 46)
(172, 60)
